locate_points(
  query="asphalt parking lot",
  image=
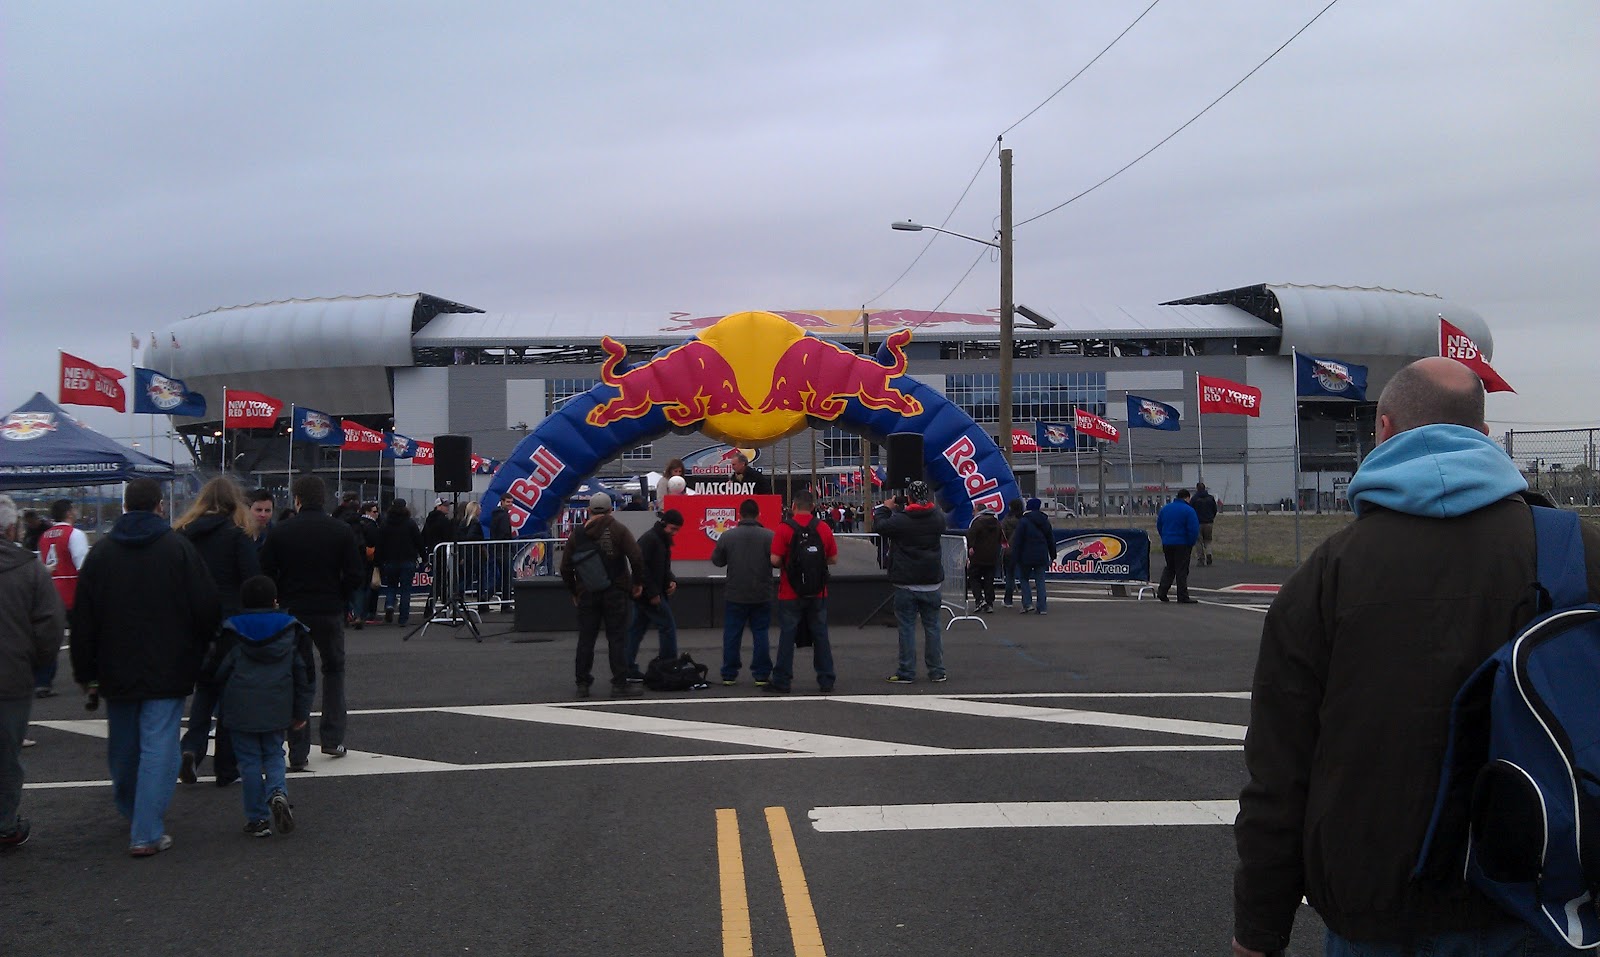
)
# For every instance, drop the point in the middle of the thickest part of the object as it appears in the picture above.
(1067, 791)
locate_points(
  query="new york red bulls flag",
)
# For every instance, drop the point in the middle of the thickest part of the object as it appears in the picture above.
(1087, 423)
(1457, 345)
(250, 410)
(84, 383)
(1228, 398)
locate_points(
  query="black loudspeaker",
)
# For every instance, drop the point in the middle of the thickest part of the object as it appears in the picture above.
(903, 459)
(452, 463)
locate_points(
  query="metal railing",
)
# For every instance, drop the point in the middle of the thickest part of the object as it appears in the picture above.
(954, 595)
(469, 578)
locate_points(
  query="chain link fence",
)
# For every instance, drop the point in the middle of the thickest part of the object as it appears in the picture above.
(1562, 463)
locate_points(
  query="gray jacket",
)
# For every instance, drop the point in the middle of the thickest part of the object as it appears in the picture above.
(746, 551)
(31, 620)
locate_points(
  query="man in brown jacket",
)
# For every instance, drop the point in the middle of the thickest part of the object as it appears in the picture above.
(983, 554)
(602, 567)
(1361, 655)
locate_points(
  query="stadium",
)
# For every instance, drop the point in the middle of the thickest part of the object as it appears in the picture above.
(422, 365)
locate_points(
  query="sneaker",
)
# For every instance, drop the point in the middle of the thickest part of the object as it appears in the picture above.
(901, 680)
(771, 688)
(936, 679)
(762, 682)
(186, 769)
(223, 780)
(258, 829)
(17, 836)
(1042, 613)
(626, 691)
(583, 689)
(1027, 611)
(388, 616)
(282, 816)
(29, 742)
(825, 689)
(44, 692)
(151, 850)
(299, 769)
(337, 751)
(729, 682)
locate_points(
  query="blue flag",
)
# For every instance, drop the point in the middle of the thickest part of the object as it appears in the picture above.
(1053, 435)
(156, 394)
(400, 446)
(1149, 414)
(319, 427)
(1329, 377)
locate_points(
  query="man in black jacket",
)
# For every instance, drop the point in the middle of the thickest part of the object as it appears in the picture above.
(145, 609)
(916, 571)
(1205, 506)
(1361, 655)
(651, 606)
(317, 566)
(500, 530)
(983, 556)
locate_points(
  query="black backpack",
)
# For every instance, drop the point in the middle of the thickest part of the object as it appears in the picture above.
(675, 674)
(589, 563)
(807, 565)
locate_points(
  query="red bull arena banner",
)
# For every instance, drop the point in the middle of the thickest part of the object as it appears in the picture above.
(1117, 554)
(750, 379)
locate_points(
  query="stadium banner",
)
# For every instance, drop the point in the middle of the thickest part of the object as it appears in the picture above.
(1104, 555)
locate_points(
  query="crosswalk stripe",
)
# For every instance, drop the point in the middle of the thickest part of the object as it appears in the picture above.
(1103, 719)
(929, 817)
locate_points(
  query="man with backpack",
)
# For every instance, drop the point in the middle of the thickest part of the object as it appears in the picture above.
(802, 550)
(602, 568)
(653, 605)
(916, 570)
(1362, 654)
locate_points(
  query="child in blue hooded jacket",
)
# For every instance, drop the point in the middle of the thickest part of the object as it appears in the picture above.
(266, 689)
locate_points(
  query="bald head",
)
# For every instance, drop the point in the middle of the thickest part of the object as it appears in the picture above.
(1432, 391)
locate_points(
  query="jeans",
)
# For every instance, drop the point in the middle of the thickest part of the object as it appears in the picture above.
(909, 606)
(1503, 940)
(1033, 575)
(609, 608)
(644, 616)
(45, 675)
(981, 581)
(13, 725)
(397, 578)
(1008, 567)
(735, 615)
(815, 613)
(327, 636)
(360, 597)
(260, 770)
(202, 708)
(1177, 557)
(142, 751)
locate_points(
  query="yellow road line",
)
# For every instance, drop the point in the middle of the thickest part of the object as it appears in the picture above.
(736, 940)
(796, 897)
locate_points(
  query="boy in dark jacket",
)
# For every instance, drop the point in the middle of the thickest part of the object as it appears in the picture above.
(266, 690)
(650, 605)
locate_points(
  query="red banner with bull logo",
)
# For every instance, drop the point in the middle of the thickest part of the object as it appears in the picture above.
(1117, 554)
(749, 380)
(707, 517)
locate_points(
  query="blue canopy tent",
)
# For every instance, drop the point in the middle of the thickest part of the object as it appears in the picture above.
(41, 446)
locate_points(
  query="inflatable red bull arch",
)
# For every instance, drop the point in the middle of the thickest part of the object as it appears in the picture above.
(750, 379)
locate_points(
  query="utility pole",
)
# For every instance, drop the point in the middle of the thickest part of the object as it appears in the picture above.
(1007, 306)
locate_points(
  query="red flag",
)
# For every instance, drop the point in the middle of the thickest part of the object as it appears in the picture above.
(1022, 440)
(424, 454)
(1228, 398)
(359, 438)
(1457, 345)
(250, 410)
(84, 383)
(1087, 423)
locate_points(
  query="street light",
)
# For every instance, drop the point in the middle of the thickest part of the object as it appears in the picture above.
(1007, 307)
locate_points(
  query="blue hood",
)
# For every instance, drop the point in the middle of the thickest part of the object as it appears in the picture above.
(1436, 471)
(260, 626)
(139, 528)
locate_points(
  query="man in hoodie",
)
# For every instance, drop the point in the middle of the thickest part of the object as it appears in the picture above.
(1205, 509)
(1033, 548)
(915, 570)
(745, 551)
(652, 607)
(1361, 655)
(602, 567)
(146, 608)
(1179, 528)
(31, 623)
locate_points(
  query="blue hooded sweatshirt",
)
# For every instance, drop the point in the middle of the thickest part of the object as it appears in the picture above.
(1435, 471)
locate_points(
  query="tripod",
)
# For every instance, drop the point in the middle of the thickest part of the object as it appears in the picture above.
(454, 611)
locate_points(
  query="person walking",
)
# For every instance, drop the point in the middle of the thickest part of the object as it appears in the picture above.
(32, 620)
(652, 607)
(363, 600)
(1008, 551)
(1205, 508)
(262, 509)
(436, 528)
(219, 526)
(1033, 548)
(316, 564)
(266, 689)
(602, 567)
(500, 530)
(399, 551)
(746, 552)
(1179, 527)
(1362, 653)
(146, 609)
(802, 550)
(916, 570)
(983, 555)
(62, 547)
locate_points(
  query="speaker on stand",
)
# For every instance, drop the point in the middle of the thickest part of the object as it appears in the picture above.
(903, 460)
(452, 463)
(452, 472)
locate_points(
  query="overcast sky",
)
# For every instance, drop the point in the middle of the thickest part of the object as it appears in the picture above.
(165, 159)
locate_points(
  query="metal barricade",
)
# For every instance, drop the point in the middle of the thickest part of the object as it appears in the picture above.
(954, 595)
(472, 577)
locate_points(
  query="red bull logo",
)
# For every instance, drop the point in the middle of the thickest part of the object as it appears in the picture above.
(815, 376)
(1092, 555)
(22, 426)
(717, 521)
(1332, 376)
(163, 393)
(692, 381)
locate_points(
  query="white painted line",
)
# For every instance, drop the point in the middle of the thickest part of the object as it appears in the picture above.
(91, 727)
(1102, 719)
(699, 730)
(1258, 609)
(930, 817)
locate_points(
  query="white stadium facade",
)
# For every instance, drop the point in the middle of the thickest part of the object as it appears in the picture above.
(424, 366)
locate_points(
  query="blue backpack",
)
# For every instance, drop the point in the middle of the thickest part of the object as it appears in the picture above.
(1518, 808)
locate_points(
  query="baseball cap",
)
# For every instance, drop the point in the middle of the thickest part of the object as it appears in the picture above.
(1034, 504)
(441, 500)
(599, 502)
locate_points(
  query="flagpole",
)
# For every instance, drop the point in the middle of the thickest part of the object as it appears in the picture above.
(1200, 423)
(1130, 467)
(1294, 468)
(224, 430)
(289, 475)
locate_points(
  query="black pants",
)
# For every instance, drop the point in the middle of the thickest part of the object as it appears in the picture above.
(327, 637)
(609, 608)
(981, 580)
(1177, 567)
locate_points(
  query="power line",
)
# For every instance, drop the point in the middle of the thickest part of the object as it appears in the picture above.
(963, 279)
(946, 221)
(1186, 125)
(1085, 68)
